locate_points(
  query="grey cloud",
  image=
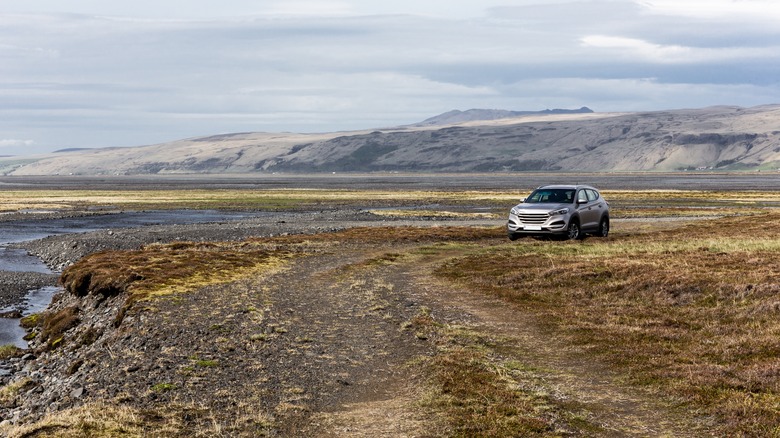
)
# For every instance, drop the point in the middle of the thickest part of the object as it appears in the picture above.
(73, 80)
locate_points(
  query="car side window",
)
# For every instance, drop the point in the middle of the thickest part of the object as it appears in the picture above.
(582, 197)
(592, 195)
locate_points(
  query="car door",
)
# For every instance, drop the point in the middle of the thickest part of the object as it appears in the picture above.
(587, 210)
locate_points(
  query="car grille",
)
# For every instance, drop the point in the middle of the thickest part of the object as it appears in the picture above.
(532, 218)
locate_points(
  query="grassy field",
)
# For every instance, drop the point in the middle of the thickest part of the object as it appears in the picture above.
(691, 312)
(625, 203)
(688, 308)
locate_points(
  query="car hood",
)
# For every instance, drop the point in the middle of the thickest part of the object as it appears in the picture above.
(542, 206)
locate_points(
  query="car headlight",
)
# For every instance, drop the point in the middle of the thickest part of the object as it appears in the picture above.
(560, 212)
(514, 211)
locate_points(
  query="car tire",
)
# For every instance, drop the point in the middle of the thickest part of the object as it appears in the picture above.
(604, 227)
(513, 237)
(573, 232)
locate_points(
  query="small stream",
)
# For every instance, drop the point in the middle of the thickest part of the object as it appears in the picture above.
(17, 260)
(35, 301)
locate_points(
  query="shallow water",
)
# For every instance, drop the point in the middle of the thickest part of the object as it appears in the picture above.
(25, 230)
(11, 333)
(17, 260)
(36, 301)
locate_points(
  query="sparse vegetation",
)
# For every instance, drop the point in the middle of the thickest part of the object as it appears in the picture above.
(163, 387)
(480, 393)
(206, 363)
(111, 421)
(54, 325)
(691, 311)
(162, 270)
(278, 199)
(10, 391)
(629, 203)
(9, 351)
(435, 214)
(30, 321)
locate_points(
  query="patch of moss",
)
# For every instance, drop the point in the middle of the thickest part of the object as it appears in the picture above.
(163, 387)
(10, 391)
(9, 351)
(31, 321)
(55, 324)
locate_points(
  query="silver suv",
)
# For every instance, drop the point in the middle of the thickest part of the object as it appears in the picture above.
(569, 211)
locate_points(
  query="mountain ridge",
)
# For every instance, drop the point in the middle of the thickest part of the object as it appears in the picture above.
(720, 137)
(458, 116)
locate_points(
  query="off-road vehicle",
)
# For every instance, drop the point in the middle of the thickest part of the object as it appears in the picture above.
(568, 211)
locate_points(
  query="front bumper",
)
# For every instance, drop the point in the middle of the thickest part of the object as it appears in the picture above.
(536, 226)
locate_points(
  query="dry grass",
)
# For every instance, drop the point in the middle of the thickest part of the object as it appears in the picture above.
(9, 392)
(88, 420)
(693, 311)
(158, 270)
(9, 351)
(482, 400)
(629, 202)
(476, 391)
(381, 235)
(161, 270)
(415, 213)
(100, 419)
(164, 269)
(55, 324)
(244, 199)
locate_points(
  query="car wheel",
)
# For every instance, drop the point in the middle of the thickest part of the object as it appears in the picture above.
(513, 237)
(573, 230)
(604, 227)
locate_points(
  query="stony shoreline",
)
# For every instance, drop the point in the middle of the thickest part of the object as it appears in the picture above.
(14, 286)
(47, 392)
(58, 252)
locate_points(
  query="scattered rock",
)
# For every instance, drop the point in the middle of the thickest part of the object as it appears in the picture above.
(11, 314)
(77, 393)
(164, 348)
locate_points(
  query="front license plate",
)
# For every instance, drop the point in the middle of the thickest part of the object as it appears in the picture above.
(532, 228)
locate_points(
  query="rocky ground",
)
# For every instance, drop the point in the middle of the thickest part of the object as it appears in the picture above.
(14, 287)
(57, 252)
(60, 251)
(260, 355)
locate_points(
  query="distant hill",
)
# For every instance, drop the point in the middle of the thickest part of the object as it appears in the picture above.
(722, 138)
(457, 116)
(70, 150)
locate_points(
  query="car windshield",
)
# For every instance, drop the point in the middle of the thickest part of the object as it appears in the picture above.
(551, 196)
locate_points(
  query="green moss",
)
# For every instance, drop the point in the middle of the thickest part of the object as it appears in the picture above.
(9, 351)
(30, 321)
(163, 387)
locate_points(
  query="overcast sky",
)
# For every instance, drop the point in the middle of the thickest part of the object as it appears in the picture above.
(94, 73)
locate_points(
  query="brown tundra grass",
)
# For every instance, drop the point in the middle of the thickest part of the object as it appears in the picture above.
(694, 312)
